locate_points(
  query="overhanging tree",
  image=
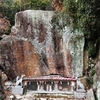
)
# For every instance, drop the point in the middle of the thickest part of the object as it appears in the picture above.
(85, 15)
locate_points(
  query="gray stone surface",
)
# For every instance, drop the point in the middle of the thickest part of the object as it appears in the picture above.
(68, 48)
(98, 90)
(74, 43)
(51, 53)
(90, 95)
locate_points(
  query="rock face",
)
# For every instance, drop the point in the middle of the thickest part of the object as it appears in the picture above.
(98, 78)
(35, 49)
(2, 79)
(17, 57)
(98, 90)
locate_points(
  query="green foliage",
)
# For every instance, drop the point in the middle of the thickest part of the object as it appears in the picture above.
(85, 15)
(93, 72)
(89, 82)
(32, 4)
(90, 73)
(89, 78)
(9, 8)
(92, 50)
(41, 4)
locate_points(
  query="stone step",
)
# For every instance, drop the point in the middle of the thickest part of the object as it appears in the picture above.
(79, 94)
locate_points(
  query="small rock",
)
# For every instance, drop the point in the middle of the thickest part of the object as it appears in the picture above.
(90, 95)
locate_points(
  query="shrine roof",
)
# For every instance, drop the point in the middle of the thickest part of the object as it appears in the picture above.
(49, 78)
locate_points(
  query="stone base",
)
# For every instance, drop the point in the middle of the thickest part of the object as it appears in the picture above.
(17, 90)
(40, 96)
(50, 92)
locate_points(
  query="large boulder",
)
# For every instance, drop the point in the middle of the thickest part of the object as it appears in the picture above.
(34, 48)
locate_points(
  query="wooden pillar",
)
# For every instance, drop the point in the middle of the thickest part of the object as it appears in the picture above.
(60, 86)
(38, 86)
(50, 87)
(25, 87)
(72, 86)
(55, 85)
(68, 86)
(41, 86)
(47, 87)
